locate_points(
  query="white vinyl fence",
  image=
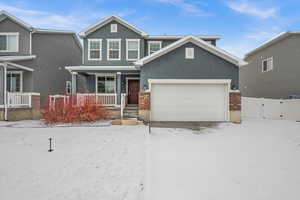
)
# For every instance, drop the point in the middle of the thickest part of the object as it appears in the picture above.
(261, 108)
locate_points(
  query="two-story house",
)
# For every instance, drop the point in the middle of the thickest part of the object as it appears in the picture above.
(189, 78)
(273, 69)
(32, 64)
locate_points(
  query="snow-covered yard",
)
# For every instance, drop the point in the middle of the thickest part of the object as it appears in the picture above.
(87, 163)
(254, 160)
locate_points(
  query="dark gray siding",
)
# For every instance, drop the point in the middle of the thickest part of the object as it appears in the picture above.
(283, 80)
(104, 33)
(173, 65)
(8, 25)
(1, 86)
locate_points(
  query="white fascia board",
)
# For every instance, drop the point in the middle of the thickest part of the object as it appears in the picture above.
(213, 37)
(199, 42)
(16, 58)
(39, 30)
(189, 81)
(105, 21)
(104, 68)
(17, 20)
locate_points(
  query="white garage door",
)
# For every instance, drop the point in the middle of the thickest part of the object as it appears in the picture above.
(180, 100)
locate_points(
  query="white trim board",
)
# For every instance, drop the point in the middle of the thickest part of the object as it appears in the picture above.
(91, 68)
(201, 43)
(107, 20)
(205, 37)
(17, 20)
(16, 58)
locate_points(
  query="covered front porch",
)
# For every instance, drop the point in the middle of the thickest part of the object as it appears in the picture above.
(113, 86)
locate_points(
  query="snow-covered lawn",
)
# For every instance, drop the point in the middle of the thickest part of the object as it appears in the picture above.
(254, 160)
(87, 163)
(257, 160)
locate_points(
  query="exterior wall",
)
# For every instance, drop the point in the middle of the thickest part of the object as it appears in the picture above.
(235, 102)
(282, 81)
(205, 65)
(8, 25)
(1, 85)
(104, 33)
(54, 52)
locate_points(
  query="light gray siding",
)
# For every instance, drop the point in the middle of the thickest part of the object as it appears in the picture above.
(283, 80)
(7, 25)
(104, 34)
(173, 65)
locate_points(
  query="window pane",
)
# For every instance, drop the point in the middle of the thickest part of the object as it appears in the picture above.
(95, 54)
(3, 42)
(12, 42)
(101, 85)
(94, 44)
(133, 54)
(113, 45)
(110, 85)
(133, 45)
(265, 66)
(154, 47)
(13, 82)
(113, 54)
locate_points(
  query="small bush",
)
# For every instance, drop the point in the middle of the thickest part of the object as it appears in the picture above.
(70, 110)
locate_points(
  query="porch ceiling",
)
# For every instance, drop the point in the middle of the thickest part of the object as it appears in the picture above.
(101, 68)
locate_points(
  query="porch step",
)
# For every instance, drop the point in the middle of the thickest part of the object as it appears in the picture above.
(130, 112)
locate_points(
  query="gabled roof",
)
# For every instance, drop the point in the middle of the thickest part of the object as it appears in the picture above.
(201, 43)
(107, 20)
(16, 20)
(273, 40)
(205, 37)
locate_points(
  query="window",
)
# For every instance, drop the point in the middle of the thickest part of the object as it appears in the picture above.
(267, 64)
(132, 49)
(153, 46)
(94, 49)
(9, 42)
(14, 81)
(113, 49)
(106, 84)
(114, 28)
(189, 53)
(68, 87)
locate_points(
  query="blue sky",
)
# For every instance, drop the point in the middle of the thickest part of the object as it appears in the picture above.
(243, 24)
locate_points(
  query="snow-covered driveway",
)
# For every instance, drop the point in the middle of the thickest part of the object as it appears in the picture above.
(255, 160)
(87, 163)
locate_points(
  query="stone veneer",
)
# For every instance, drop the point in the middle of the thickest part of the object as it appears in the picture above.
(144, 106)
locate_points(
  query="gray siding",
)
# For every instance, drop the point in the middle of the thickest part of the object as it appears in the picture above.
(1, 86)
(283, 80)
(104, 33)
(173, 65)
(8, 25)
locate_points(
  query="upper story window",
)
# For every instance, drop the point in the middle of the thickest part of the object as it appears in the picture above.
(113, 49)
(94, 49)
(132, 49)
(189, 53)
(14, 81)
(114, 28)
(267, 64)
(153, 46)
(9, 42)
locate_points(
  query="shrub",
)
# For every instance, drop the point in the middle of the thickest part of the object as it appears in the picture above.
(70, 110)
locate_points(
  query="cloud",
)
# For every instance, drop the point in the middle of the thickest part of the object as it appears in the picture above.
(186, 7)
(250, 8)
(76, 20)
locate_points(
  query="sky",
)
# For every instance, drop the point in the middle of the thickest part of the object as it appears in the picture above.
(242, 24)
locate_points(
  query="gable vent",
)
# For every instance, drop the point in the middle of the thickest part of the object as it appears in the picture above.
(113, 28)
(189, 53)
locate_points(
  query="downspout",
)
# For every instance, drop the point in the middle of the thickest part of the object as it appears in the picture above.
(5, 91)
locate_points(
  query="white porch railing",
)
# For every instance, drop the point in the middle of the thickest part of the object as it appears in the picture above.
(18, 99)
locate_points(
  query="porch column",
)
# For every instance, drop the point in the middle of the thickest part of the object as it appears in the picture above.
(119, 91)
(74, 82)
(5, 90)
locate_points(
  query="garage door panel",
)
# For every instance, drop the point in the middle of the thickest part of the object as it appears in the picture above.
(188, 102)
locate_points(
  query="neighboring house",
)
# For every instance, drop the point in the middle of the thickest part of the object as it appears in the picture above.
(32, 62)
(273, 69)
(188, 76)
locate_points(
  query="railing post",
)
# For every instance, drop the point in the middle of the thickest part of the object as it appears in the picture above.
(30, 100)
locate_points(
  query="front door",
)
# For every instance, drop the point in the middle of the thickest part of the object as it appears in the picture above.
(133, 91)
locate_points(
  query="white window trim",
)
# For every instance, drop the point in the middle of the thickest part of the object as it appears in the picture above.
(11, 33)
(154, 42)
(132, 40)
(21, 77)
(262, 64)
(68, 83)
(189, 56)
(111, 28)
(89, 48)
(112, 40)
(104, 75)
